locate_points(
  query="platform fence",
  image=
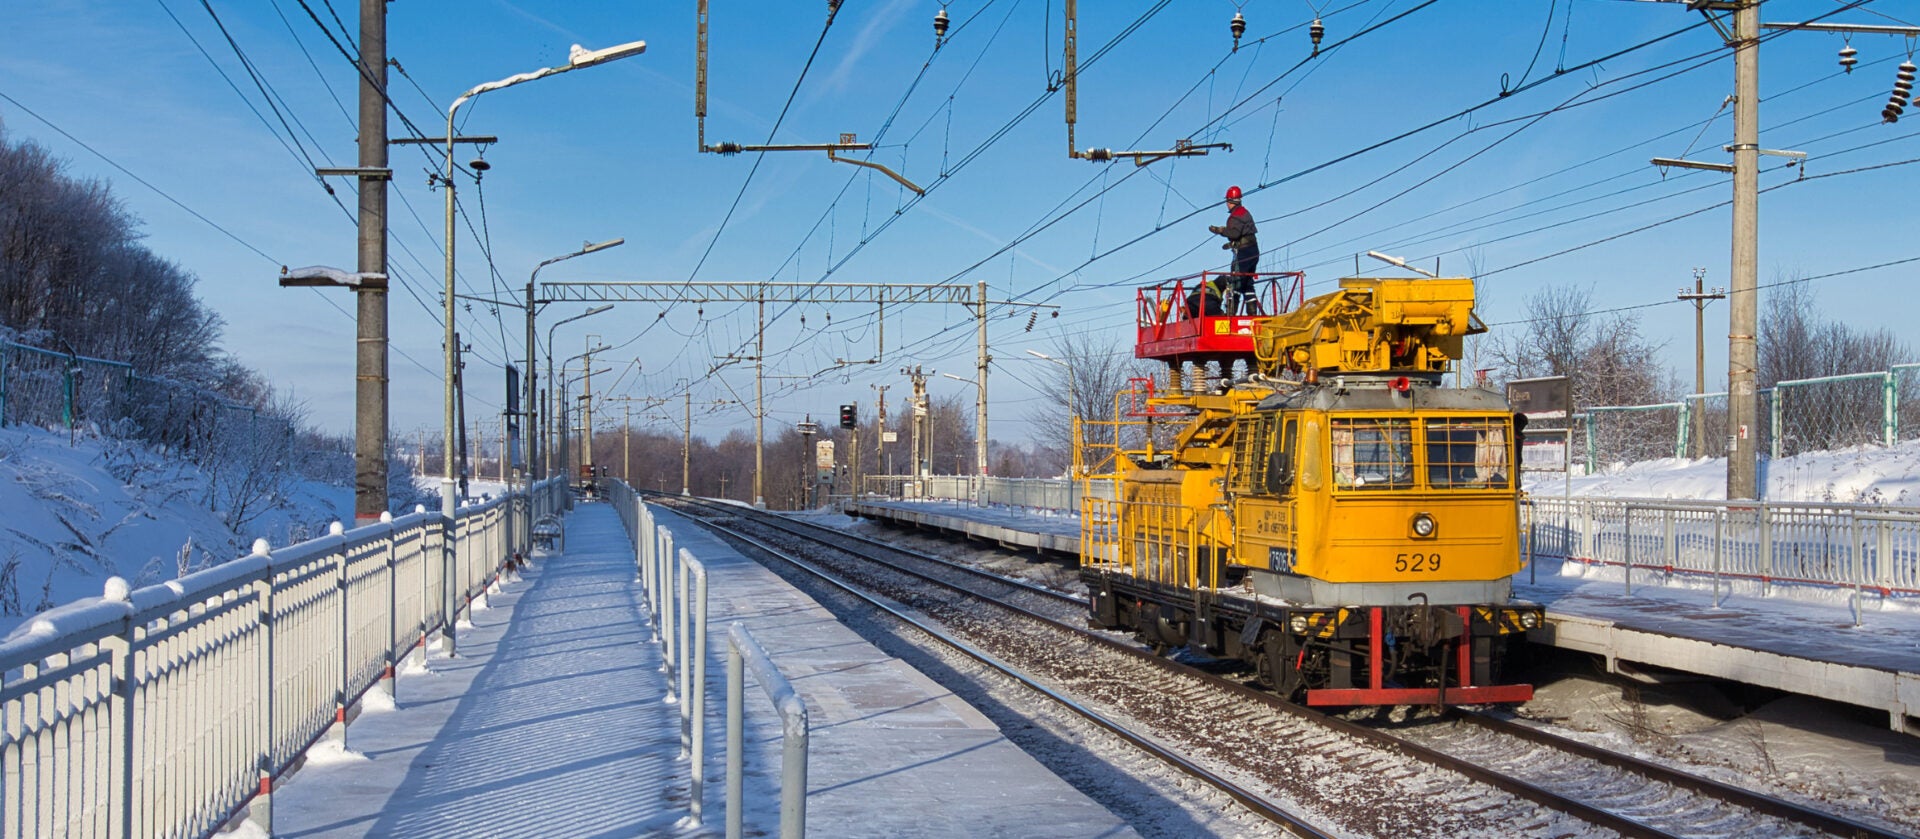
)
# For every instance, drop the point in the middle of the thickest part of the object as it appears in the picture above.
(1051, 494)
(168, 710)
(1865, 548)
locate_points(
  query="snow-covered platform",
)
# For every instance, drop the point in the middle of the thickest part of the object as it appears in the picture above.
(556, 720)
(1810, 647)
(1016, 528)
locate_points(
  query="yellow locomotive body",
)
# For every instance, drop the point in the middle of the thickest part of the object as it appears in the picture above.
(1335, 517)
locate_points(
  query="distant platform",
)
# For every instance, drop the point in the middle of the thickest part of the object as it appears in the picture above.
(1797, 646)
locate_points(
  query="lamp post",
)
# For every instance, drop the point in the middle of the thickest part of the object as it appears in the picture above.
(577, 58)
(979, 482)
(1073, 410)
(565, 411)
(547, 468)
(533, 308)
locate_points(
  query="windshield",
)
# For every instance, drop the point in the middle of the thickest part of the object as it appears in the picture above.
(1373, 454)
(1467, 453)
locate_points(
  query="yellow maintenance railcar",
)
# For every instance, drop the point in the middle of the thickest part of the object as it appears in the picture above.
(1303, 492)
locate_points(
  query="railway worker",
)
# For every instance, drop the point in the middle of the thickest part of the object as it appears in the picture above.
(1205, 298)
(1245, 244)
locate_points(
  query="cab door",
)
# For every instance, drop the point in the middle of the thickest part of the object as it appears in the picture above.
(1265, 503)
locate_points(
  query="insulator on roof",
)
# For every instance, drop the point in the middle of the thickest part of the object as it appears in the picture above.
(1847, 59)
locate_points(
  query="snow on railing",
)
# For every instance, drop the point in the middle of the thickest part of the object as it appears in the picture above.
(168, 710)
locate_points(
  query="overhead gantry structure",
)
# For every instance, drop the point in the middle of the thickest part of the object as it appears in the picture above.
(762, 293)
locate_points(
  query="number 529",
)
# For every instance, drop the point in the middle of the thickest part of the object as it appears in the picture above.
(1416, 562)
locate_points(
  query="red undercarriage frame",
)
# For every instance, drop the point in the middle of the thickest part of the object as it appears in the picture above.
(1464, 693)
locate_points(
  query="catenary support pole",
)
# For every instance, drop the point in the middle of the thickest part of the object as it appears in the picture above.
(370, 347)
(1743, 449)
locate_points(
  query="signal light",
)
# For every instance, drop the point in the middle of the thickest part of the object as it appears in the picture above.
(1847, 59)
(1239, 27)
(849, 416)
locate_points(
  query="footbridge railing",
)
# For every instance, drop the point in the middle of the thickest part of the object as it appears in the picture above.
(171, 709)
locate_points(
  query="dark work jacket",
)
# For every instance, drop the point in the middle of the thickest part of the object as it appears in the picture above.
(1241, 232)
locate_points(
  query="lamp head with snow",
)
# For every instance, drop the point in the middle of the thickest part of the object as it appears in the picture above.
(580, 56)
(314, 276)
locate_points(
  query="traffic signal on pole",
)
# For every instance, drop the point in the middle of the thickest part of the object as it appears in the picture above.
(849, 416)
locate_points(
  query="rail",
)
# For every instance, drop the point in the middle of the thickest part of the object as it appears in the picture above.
(168, 710)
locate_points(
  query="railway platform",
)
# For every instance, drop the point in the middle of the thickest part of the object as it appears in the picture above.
(1802, 646)
(555, 720)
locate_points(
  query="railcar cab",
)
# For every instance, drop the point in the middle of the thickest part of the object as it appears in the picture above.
(1200, 318)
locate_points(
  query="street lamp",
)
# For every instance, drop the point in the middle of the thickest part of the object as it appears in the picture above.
(547, 468)
(576, 59)
(1073, 410)
(533, 308)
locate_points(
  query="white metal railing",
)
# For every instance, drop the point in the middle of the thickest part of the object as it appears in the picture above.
(167, 710)
(1863, 547)
(1033, 493)
(675, 583)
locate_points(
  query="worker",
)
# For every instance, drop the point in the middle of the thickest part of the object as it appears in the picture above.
(1245, 244)
(1205, 298)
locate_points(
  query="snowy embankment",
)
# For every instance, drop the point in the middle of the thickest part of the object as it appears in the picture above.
(77, 514)
(1858, 475)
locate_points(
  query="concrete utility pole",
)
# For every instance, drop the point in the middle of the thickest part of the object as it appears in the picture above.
(807, 429)
(922, 437)
(759, 403)
(980, 399)
(370, 349)
(1743, 355)
(880, 445)
(686, 448)
(1700, 298)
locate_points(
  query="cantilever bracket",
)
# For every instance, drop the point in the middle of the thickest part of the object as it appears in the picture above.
(880, 166)
(1182, 148)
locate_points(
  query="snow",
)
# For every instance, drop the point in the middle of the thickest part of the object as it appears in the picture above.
(81, 514)
(1857, 475)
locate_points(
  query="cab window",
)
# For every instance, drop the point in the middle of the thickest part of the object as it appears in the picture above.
(1372, 454)
(1467, 453)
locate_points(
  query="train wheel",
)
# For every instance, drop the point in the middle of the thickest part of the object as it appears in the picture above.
(1278, 665)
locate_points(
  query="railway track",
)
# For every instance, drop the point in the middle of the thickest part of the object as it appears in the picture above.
(1312, 773)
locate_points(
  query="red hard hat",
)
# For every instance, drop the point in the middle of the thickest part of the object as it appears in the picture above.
(1233, 193)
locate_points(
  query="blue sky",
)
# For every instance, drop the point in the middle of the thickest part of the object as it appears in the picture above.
(610, 151)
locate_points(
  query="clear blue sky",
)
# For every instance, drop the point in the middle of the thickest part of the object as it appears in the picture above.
(610, 151)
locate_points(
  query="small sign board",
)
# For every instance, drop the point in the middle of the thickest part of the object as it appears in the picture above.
(889, 436)
(823, 455)
(1550, 397)
(1544, 451)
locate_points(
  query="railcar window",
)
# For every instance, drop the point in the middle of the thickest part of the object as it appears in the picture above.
(1373, 454)
(1467, 453)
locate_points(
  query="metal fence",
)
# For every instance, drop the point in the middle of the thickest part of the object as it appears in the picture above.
(1033, 493)
(1795, 417)
(49, 389)
(167, 710)
(1863, 548)
(675, 584)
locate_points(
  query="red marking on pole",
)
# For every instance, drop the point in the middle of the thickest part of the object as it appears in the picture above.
(266, 786)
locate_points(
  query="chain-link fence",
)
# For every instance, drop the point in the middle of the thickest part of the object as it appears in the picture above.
(1795, 417)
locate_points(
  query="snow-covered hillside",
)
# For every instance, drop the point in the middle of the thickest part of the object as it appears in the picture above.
(73, 515)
